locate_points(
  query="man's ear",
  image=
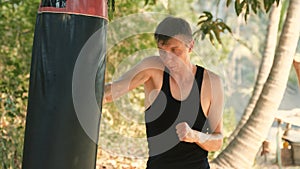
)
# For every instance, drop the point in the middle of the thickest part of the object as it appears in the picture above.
(191, 46)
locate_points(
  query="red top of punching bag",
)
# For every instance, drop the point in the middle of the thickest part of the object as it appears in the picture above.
(97, 8)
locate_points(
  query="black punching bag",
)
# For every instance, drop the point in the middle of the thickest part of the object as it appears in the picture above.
(66, 85)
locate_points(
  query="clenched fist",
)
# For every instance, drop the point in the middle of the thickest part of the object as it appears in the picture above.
(185, 133)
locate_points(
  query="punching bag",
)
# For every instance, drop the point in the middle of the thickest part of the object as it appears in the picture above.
(66, 85)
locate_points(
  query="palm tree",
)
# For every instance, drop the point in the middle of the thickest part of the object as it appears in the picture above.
(241, 151)
(265, 66)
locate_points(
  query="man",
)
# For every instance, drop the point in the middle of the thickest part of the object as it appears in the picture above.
(296, 63)
(183, 101)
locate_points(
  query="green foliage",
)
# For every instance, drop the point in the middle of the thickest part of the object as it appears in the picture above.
(152, 2)
(214, 27)
(247, 5)
(111, 8)
(284, 8)
(126, 7)
(268, 4)
(211, 27)
(17, 19)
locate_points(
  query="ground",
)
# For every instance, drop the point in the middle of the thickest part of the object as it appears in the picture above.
(267, 161)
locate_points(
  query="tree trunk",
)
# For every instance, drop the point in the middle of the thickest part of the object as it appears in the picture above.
(265, 66)
(241, 151)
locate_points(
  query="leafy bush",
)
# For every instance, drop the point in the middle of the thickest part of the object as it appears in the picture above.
(17, 26)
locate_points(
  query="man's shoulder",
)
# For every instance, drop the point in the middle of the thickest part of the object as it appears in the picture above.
(152, 62)
(210, 75)
(153, 59)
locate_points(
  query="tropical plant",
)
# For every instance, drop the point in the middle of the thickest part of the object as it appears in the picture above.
(241, 151)
(17, 19)
(265, 66)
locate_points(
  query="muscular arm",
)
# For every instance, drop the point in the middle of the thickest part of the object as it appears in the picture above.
(209, 142)
(214, 141)
(296, 64)
(136, 76)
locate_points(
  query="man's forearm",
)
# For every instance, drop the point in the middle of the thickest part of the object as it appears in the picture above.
(107, 97)
(209, 142)
(297, 69)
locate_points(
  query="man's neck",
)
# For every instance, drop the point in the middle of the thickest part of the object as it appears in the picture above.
(185, 74)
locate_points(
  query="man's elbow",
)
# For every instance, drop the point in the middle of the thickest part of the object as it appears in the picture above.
(218, 145)
(215, 145)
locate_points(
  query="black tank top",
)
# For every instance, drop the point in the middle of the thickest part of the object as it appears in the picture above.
(165, 149)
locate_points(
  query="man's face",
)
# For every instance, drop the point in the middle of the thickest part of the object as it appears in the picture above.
(174, 52)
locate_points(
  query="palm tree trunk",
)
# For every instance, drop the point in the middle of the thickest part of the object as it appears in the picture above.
(241, 151)
(265, 66)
